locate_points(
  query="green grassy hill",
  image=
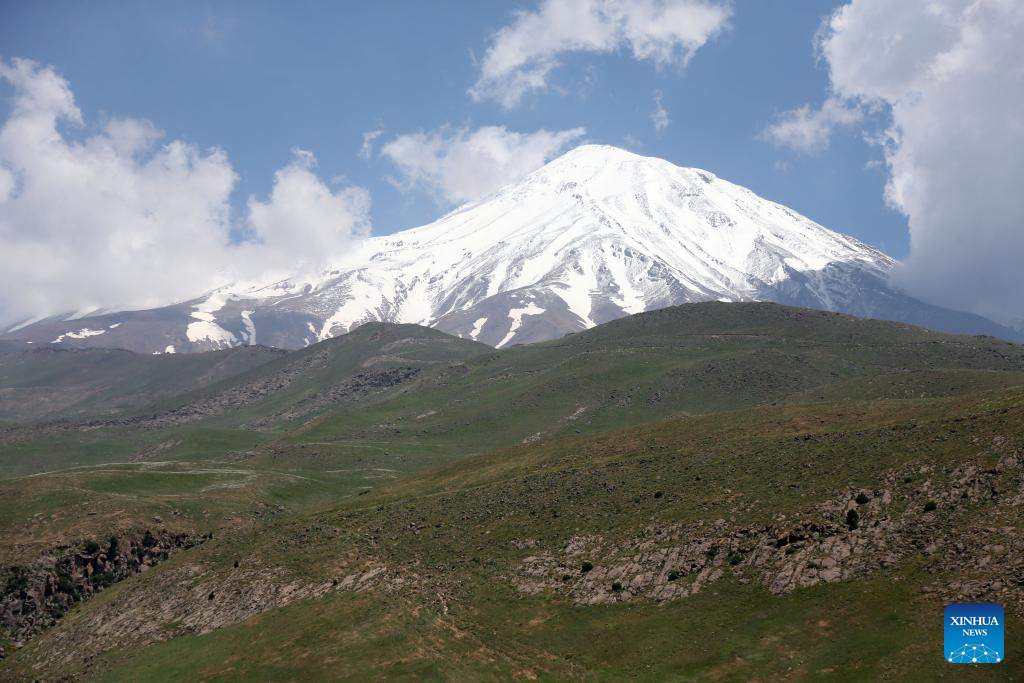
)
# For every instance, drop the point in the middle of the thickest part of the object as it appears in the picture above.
(717, 547)
(663, 497)
(685, 360)
(52, 383)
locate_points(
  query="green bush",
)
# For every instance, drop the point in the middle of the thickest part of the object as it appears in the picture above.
(16, 583)
(673, 575)
(148, 540)
(852, 520)
(862, 498)
(735, 558)
(103, 579)
(92, 547)
(586, 566)
(930, 506)
(617, 586)
(67, 586)
(113, 547)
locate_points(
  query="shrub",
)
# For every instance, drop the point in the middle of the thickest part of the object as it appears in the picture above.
(659, 494)
(852, 520)
(673, 575)
(930, 506)
(92, 547)
(862, 498)
(67, 586)
(617, 586)
(735, 558)
(586, 566)
(103, 579)
(113, 547)
(16, 583)
(148, 540)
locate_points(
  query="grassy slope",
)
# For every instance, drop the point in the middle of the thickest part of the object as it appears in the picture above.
(50, 383)
(684, 360)
(688, 360)
(59, 485)
(451, 541)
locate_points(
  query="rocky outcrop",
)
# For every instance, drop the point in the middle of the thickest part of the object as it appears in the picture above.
(36, 595)
(916, 513)
(228, 399)
(354, 388)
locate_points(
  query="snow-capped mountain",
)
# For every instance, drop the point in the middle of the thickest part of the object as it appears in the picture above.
(594, 235)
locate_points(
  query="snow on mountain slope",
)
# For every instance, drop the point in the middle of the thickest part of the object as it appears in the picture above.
(594, 235)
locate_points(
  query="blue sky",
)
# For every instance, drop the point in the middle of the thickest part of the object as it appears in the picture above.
(259, 79)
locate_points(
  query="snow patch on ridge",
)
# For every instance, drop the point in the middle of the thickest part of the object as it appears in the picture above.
(250, 327)
(363, 299)
(206, 329)
(80, 334)
(516, 315)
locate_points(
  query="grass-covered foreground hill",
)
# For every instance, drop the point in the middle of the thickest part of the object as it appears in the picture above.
(710, 492)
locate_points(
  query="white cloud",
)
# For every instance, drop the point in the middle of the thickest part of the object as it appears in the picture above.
(369, 138)
(809, 130)
(951, 73)
(304, 223)
(523, 54)
(459, 165)
(660, 115)
(115, 218)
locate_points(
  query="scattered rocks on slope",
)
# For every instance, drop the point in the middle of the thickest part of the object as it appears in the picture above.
(224, 401)
(673, 561)
(352, 389)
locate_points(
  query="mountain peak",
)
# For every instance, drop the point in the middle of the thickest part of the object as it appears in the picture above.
(592, 150)
(594, 235)
(599, 157)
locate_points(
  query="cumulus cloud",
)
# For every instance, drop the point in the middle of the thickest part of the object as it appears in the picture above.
(120, 217)
(659, 117)
(460, 165)
(304, 223)
(522, 55)
(951, 74)
(809, 130)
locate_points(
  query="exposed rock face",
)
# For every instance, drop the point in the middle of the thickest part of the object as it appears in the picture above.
(37, 595)
(194, 597)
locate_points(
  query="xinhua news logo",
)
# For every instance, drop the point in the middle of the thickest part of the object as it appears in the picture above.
(974, 633)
